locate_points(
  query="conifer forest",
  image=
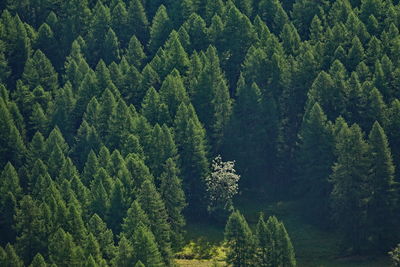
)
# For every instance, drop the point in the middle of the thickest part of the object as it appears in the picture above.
(199, 133)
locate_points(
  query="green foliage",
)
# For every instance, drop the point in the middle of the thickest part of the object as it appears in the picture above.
(154, 207)
(351, 171)
(172, 193)
(135, 97)
(274, 247)
(315, 158)
(239, 240)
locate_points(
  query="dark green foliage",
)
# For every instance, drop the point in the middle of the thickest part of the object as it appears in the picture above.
(62, 249)
(134, 53)
(315, 156)
(154, 207)
(136, 96)
(380, 211)
(174, 198)
(190, 139)
(145, 248)
(10, 257)
(351, 171)
(39, 71)
(138, 24)
(160, 29)
(124, 253)
(38, 261)
(211, 98)
(274, 247)
(240, 241)
(30, 228)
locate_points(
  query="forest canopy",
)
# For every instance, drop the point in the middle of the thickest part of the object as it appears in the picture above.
(121, 120)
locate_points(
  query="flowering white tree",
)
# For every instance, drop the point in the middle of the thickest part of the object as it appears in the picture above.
(222, 186)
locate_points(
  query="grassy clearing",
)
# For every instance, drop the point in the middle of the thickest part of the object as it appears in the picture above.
(314, 247)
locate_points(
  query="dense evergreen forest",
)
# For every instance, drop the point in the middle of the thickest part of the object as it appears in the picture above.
(123, 120)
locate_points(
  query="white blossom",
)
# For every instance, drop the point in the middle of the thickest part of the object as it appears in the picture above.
(222, 184)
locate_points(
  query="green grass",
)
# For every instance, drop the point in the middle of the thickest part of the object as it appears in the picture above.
(314, 247)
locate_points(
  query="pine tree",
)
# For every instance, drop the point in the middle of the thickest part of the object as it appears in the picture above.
(239, 240)
(175, 55)
(118, 203)
(192, 148)
(274, 247)
(246, 134)
(382, 197)
(150, 78)
(99, 25)
(211, 97)
(160, 28)
(137, 19)
(47, 43)
(238, 36)
(124, 253)
(350, 171)
(134, 217)
(315, 156)
(92, 249)
(39, 71)
(19, 48)
(104, 236)
(11, 258)
(161, 147)
(174, 198)
(62, 249)
(110, 49)
(134, 53)
(153, 206)
(145, 248)
(119, 23)
(30, 228)
(139, 171)
(153, 109)
(38, 261)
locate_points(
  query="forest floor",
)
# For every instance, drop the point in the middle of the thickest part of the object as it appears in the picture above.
(314, 247)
